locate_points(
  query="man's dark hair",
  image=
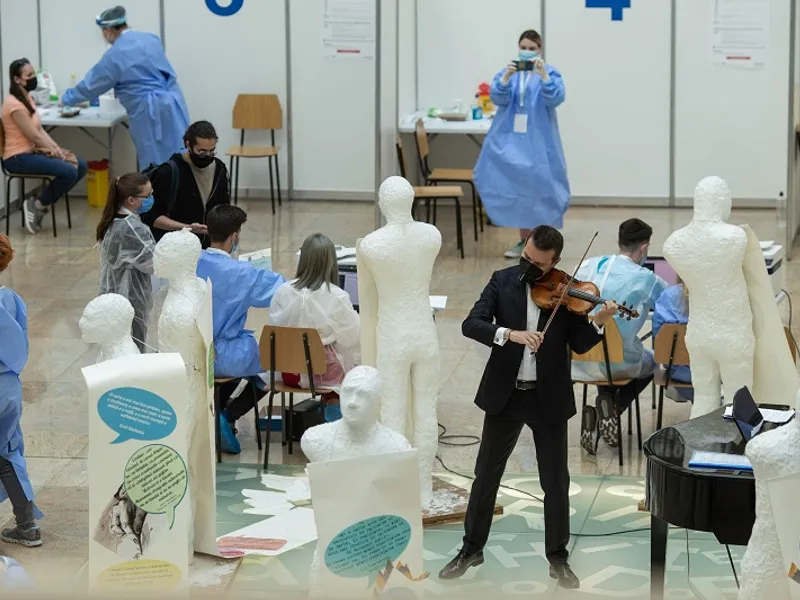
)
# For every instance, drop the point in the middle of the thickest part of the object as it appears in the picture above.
(223, 221)
(532, 36)
(199, 129)
(633, 233)
(547, 238)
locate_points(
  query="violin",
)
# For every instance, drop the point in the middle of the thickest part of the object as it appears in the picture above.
(557, 288)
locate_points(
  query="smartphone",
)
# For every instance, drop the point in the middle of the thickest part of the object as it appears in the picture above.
(525, 65)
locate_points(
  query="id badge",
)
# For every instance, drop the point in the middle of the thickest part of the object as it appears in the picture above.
(521, 123)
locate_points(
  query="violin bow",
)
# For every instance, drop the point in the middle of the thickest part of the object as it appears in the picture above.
(569, 283)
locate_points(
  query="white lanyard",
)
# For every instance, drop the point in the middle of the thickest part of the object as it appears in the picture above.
(524, 78)
(127, 211)
(608, 272)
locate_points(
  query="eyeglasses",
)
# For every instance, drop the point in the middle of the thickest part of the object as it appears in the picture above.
(206, 153)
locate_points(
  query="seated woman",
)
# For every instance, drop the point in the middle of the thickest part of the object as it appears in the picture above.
(672, 307)
(314, 300)
(29, 150)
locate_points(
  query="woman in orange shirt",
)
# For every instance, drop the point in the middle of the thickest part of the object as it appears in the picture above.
(29, 150)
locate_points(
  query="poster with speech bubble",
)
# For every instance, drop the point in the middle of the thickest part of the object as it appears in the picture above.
(138, 478)
(370, 543)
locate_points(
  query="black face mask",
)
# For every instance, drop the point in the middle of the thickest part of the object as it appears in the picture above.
(529, 272)
(31, 84)
(201, 162)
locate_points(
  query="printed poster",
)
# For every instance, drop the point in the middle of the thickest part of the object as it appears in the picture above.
(740, 33)
(371, 541)
(349, 28)
(138, 476)
(783, 494)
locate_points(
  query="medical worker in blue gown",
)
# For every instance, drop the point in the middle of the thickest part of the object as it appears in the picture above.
(14, 481)
(672, 307)
(521, 173)
(236, 287)
(144, 82)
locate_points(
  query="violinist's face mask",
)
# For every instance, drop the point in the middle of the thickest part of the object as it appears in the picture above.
(530, 273)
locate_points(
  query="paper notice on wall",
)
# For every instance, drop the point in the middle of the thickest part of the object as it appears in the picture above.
(349, 29)
(783, 494)
(740, 33)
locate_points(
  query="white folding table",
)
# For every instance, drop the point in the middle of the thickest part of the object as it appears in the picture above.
(89, 118)
(474, 130)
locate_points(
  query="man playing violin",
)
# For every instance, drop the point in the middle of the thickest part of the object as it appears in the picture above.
(526, 382)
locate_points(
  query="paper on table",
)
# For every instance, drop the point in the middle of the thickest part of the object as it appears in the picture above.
(278, 482)
(266, 503)
(766, 245)
(772, 415)
(720, 460)
(271, 537)
(438, 302)
(299, 493)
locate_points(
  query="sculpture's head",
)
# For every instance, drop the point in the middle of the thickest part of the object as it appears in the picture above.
(395, 198)
(105, 319)
(360, 396)
(176, 255)
(712, 200)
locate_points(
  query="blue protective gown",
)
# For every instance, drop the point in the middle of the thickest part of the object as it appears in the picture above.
(522, 177)
(237, 286)
(13, 356)
(147, 86)
(671, 307)
(621, 280)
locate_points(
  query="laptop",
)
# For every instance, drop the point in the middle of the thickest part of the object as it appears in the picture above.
(748, 417)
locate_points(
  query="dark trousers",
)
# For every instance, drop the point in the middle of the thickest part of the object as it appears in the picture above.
(23, 508)
(628, 392)
(66, 175)
(241, 405)
(500, 435)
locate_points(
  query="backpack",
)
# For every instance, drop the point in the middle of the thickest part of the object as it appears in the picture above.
(173, 183)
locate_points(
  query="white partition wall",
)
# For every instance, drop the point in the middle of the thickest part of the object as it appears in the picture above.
(19, 33)
(615, 122)
(217, 58)
(406, 56)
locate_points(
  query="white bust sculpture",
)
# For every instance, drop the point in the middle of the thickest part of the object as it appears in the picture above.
(773, 454)
(398, 334)
(175, 260)
(106, 321)
(708, 255)
(358, 433)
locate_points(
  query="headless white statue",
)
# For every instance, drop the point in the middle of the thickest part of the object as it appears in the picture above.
(773, 454)
(106, 321)
(398, 334)
(356, 434)
(708, 254)
(175, 260)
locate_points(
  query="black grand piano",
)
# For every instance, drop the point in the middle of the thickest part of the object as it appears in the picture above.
(718, 501)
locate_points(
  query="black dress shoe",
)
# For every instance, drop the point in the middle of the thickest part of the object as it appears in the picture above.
(566, 578)
(459, 565)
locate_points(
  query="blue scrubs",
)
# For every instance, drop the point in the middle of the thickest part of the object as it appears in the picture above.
(669, 309)
(521, 173)
(13, 356)
(147, 86)
(237, 286)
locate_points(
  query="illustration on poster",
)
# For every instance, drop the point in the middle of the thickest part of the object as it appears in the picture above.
(617, 7)
(156, 479)
(136, 414)
(224, 11)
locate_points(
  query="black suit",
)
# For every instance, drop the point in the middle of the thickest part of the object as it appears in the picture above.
(545, 409)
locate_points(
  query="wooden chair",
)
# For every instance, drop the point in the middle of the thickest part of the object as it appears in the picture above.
(670, 350)
(259, 112)
(437, 176)
(607, 352)
(792, 343)
(45, 179)
(218, 383)
(432, 193)
(290, 350)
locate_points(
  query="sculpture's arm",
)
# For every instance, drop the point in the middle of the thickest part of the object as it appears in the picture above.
(367, 310)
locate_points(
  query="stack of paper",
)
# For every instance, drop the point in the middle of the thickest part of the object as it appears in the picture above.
(772, 415)
(720, 460)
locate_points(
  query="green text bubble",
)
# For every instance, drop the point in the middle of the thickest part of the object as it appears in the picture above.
(156, 480)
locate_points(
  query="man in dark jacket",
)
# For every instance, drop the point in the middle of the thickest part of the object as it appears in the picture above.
(526, 382)
(202, 185)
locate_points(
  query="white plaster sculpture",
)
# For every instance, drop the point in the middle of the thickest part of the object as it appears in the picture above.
(708, 255)
(773, 454)
(398, 334)
(106, 321)
(175, 260)
(356, 434)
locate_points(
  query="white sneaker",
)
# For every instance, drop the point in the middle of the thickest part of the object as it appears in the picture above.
(30, 216)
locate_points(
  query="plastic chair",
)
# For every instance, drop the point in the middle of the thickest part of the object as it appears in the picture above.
(258, 112)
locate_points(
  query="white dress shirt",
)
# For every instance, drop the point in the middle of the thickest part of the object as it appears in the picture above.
(527, 367)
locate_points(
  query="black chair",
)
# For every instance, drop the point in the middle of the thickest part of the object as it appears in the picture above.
(219, 383)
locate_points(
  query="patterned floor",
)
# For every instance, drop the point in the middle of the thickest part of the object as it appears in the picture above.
(608, 565)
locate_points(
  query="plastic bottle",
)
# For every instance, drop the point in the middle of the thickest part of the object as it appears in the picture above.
(73, 81)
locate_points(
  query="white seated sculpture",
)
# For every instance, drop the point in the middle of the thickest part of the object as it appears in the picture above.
(106, 321)
(398, 334)
(358, 433)
(175, 260)
(708, 255)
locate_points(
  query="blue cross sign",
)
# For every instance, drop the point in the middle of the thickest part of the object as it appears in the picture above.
(234, 6)
(616, 6)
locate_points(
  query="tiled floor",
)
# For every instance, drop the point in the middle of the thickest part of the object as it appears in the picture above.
(58, 276)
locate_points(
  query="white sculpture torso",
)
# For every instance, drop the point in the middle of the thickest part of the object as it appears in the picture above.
(106, 321)
(398, 332)
(708, 254)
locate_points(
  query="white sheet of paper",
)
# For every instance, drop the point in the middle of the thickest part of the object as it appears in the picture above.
(266, 503)
(438, 302)
(770, 414)
(296, 528)
(299, 493)
(520, 123)
(278, 482)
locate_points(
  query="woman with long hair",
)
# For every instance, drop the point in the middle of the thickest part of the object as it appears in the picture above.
(28, 149)
(126, 248)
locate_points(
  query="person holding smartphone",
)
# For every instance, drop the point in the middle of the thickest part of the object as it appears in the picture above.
(521, 173)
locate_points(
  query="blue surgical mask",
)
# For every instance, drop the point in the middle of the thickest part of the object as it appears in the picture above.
(147, 204)
(528, 55)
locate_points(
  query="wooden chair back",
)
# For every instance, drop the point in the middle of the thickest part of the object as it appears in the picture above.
(613, 340)
(792, 343)
(257, 111)
(401, 158)
(669, 333)
(290, 350)
(422, 140)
